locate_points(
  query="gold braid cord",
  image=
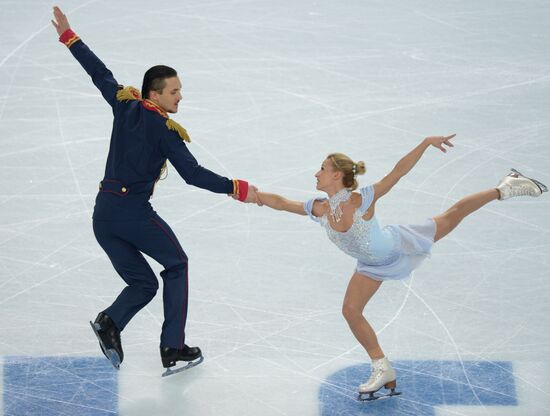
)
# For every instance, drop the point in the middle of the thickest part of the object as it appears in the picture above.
(236, 191)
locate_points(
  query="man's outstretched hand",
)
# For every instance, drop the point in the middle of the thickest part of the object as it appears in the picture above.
(60, 21)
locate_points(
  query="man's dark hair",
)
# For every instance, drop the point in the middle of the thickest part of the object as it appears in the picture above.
(154, 79)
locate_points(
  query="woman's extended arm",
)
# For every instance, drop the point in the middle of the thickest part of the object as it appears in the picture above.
(280, 203)
(407, 163)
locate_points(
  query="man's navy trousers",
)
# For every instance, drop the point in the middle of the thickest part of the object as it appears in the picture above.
(124, 241)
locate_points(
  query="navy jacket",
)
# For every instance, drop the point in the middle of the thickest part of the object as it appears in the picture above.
(140, 144)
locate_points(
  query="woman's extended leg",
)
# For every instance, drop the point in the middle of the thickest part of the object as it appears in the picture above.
(512, 185)
(447, 222)
(359, 292)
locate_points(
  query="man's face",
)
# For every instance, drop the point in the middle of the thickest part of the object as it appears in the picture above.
(169, 97)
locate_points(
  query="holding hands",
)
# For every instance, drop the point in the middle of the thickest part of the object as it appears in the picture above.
(439, 141)
(61, 23)
(251, 197)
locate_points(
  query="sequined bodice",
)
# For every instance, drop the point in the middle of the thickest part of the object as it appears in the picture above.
(365, 240)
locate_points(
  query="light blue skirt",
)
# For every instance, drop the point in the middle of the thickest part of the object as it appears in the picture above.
(416, 242)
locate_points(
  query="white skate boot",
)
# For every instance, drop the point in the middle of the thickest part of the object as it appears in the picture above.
(515, 184)
(382, 375)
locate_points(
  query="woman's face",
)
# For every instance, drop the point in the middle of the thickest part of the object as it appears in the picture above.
(327, 176)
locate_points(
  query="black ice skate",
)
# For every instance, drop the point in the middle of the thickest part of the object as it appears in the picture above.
(108, 336)
(191, 355)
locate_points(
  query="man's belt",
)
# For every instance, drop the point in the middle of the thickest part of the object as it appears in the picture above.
(119, 188)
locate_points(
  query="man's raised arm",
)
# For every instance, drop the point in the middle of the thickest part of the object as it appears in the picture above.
(101, 76)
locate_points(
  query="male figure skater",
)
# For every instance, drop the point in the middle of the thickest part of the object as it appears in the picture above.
(124, 222)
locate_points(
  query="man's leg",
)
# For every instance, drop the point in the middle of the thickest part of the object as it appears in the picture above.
(130, 265)
(157, 240)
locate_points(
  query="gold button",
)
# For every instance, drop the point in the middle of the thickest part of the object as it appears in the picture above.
(123, 190)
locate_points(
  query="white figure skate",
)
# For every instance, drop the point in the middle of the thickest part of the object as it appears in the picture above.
(382, 375)
(515, 184)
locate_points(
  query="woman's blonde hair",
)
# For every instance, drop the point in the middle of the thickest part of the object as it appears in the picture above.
(348, 167)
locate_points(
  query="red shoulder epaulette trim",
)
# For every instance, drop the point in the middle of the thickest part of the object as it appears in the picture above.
(68, 38)
(151, 106)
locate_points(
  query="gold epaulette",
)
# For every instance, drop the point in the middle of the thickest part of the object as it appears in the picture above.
(128, 94)
(173, 125)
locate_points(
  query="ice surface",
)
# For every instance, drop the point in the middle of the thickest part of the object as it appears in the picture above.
(269, 89)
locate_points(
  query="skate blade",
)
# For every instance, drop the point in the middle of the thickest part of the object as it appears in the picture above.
(369, 397)
(542, 187)
(188, 366)
(110, 353)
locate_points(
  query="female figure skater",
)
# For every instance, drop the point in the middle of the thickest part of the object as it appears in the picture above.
(387, 253)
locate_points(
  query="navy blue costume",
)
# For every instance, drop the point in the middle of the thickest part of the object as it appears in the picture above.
(124, 222)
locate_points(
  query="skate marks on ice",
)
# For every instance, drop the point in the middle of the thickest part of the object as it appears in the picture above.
(84, 386)
(423, 384)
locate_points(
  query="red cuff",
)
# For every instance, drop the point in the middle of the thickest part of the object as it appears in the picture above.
(242, 189)
(68, 38)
